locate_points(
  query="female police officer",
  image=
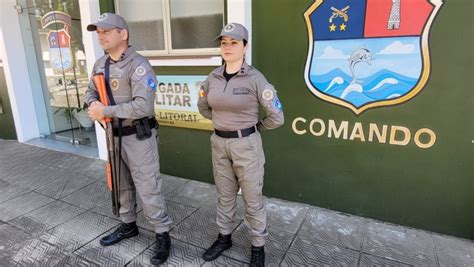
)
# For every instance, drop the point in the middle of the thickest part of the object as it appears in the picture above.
(230, 97)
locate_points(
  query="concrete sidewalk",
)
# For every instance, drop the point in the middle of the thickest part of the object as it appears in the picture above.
(55, 206)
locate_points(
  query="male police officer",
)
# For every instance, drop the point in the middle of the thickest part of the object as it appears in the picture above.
(133, 84)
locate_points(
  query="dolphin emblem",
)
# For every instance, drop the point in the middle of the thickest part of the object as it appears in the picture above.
(359, 55)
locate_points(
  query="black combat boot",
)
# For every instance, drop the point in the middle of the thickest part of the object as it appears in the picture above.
(222, 243)
(257, 259)
(125, 230)
(162, 252)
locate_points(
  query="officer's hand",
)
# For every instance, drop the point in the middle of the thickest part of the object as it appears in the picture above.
(96, 111)
(94, 103)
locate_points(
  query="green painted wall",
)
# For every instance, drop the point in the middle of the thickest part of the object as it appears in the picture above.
(7, 126)
(425, 188)
(430, 188)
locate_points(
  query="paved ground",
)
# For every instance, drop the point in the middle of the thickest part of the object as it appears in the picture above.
(54, 208)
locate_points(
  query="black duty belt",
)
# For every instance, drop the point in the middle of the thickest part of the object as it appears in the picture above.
(235, 134)
(129, 130)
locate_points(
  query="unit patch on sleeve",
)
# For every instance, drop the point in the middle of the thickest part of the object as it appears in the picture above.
(140, 71)
(267, 94)
(151, 82)
(277, 103)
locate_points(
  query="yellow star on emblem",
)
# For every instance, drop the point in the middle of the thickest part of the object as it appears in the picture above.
(342, 27)
(332, 27)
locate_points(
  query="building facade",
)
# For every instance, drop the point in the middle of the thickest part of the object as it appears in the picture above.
(376, 93)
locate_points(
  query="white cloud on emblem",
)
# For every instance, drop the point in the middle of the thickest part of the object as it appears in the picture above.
(397, 47)
(331, 53)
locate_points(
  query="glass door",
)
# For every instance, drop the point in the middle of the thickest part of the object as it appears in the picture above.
(57, 34)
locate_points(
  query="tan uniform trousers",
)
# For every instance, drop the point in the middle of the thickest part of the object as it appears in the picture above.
(239, 162)
(140, 172)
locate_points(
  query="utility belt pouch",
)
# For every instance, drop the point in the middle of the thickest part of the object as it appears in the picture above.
(143, 128)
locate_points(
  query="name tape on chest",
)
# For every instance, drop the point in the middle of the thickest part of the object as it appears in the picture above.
(240, 91)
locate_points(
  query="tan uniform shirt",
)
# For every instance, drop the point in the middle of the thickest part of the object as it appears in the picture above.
(133, 84)
(233, 105)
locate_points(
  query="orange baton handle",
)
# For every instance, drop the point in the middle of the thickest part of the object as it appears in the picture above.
(99, 81)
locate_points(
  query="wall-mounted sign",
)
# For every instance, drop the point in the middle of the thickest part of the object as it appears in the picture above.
(60, 53)
(55, 17)
(59, 41)
(368, 53)
(176, 102)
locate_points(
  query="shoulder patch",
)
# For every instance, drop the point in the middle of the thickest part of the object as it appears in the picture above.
(140, 71)
(202, 93)
(277, 103)
(151, 82)
(267, 94)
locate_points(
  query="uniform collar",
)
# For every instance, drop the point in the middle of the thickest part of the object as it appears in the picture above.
(243, 69)
(125, 54)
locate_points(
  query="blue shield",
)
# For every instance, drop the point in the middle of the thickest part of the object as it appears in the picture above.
(368, 53)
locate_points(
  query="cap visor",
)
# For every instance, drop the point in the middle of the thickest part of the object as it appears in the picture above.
(102, 25)
(233, 36)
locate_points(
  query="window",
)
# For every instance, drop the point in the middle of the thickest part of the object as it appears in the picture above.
(173, 27)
